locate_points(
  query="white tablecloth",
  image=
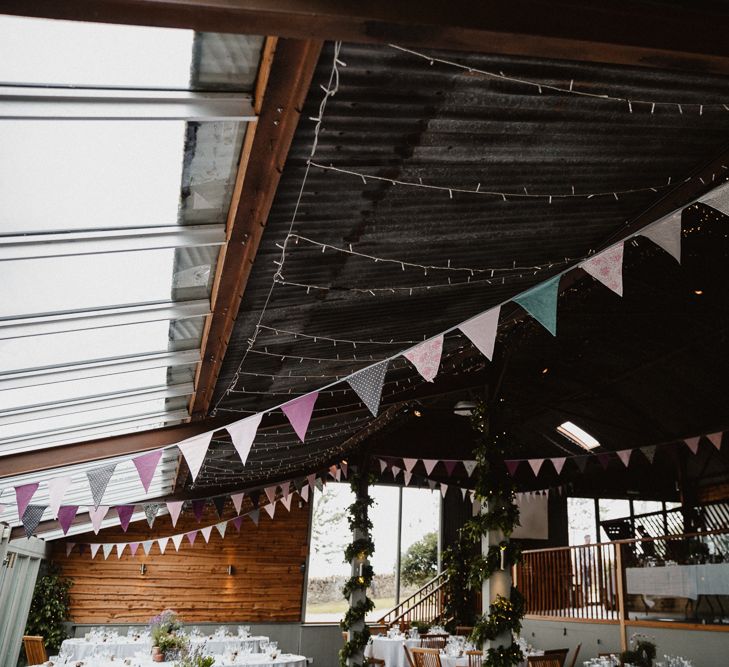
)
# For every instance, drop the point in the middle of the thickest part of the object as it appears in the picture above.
(123, 647)
(390, 650)
(283, 660)
(681, 581)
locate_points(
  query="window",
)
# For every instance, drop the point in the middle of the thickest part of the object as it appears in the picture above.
(577, 435)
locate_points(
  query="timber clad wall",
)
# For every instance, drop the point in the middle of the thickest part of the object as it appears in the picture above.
(266, 585)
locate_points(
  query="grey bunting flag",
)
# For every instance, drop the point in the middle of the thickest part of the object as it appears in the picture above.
(718, 198)
(32, 517)
(254, 514)
(368, 385)
(99, 480)
(649, 452)
(150, 511)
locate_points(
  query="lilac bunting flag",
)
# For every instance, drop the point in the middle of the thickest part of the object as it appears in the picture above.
(177, 540)
(174, 507)
(693, 444)
(715, 439)
(221, 526)
(191, 535)
(150, 511)
(237, 522)
(162, 544)
(194, 450)
(271, 493)
(124, 512)
(607, 267)
(409, 464)
(450, 466)
(429, 465)
(512, 465)
(541, 303)
(147, 546)
(481, 331)
(443, 489)
(66, 515)
(536, 465)
(23, 495)
(558, 464)
(133, 546)
(99, 480)
(270, 509)
(69, 548)
(94, 549)
(718, 198)
(408, 476)
(383, 465)
(242, 433)
(31, 517)
(368, 383)
(107, 549)
(56, 490)
(255, 515)
(237, 499)
(198, 506)
(666, 234)
(604, 459)
(470, 466)
(97, 515)
(426, 357)
(649, 452)
(305, 494)
(624, 455)
(120, 549)
(286, 489)
(299, 413)
(146, 465)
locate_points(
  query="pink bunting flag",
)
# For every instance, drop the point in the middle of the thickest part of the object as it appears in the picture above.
(409, 464)
(512, 465)
(146, 465)
(174, 507)
(23, 496)
(124, 512)
(270, 509)
(94, 549)
(450, 466)
(66, 515)
(558, 464)
(443, 489)
(395, 471)
(536, 465)
(242, 433)
(69, 548)
(715, 439)
(194, 450)
(238, 521)
(429, 465)
(191, 536)
(133, 546)
(57, 488)
(481, 331)
(162, 544)
(408, 476)
(607, 267)
(305, 494)
(286, 502)
(97, 515)
(271, 493)
(666, 234)
(693, 444)
(624, 455)
(426, 357)
(237, 499)
(299, 413)
(383, 465)
(177, 540)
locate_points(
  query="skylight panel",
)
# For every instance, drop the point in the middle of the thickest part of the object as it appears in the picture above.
(578, 436)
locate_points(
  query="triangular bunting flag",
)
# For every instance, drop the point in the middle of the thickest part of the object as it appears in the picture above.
(666, 234)
(94, 549)
(426, 357)
(649, 452)
(607, 267)
(150, 511)
(107, 549)
(238, 521)
(255, 515)
(191, 535)
(409, 464)
(408, 476)
(604, 459)
(541, 303)
(56, 489)
(450, 466)
(344, 466)
(367, 384)
(146, 464)
(147, 546)
(558, 464)
(443, 489)
(429, 465)
(254, 496)
(206, 532)
(270, 509)
(332, 471)
(286, 489)
(395, 471)
(383, 465)
(66, 515)
(311, 479)
(481, 331)
(305, 494)
(174, 507)
(124, 512)
(97, 515)
(242, 433)
(194, 450)
(177, 540)
(624, 455)
(718, 198)
(23, 495)
(271, 493)
(221, 528)
(581, 462)
(470, 466)
(715, 439)
(693, 444)
(69, 548)
(99, 480)
(286, 502)
(120, 549)
(464, 493)
(198, 507)
(536, 465)
(237, 499)
(219, 502)
(299, 412)
(512, 465)
(133, 546)
(162, 544)
(31, 518)
(431, 484)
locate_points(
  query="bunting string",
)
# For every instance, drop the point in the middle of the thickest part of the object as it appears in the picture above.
(316, 339)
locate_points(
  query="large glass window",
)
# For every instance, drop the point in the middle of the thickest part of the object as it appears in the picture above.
(581, 520)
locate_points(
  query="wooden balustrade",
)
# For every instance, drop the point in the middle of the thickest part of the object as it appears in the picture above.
(425, 605)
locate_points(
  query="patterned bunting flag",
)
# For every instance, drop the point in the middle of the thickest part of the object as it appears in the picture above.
(429, 465)
(23, 495)
(649, 452)
(426, 358)
(162, 544)
(255, 515)
(237, 522)
(198, 507)
(124, 512)
(221, 528)
(107, 548)
(450, 466)
(409, 464)
(237, 499)
(177, 540)
(666, 234)
(541, 303)
(443, 489)
(120, 549)
(147, 546)
(270, 509)
(470, 466)
(693, 444)
(174, 507)
(481, 331)
(97, 515)
(150, 511)
(66, 515)
(512, 465)
(191, 535)
(558, 463)
(146, 465)
(69, 548)
(604, 459)
(715, 439)
(408, 476)
(94, 549)
(56, 489)
(718, 198)
(99, 480)
(219, 502)
(242, 433)
(367, 384)
(607, 267)
(194, 450)
(299, 411)
(31, 518)
(536, 465)
(624, 455)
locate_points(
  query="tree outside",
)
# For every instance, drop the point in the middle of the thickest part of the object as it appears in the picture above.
(419, 563)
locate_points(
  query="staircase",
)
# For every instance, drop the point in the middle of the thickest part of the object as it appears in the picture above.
(425, 605)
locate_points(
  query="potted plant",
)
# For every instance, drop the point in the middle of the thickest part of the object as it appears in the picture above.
(642, 651)
(49, 608)
(165, 641)
(194, 657)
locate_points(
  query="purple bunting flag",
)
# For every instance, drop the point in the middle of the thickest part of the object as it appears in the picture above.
(604, 459)
(198, 506)
(66, 515)
(450, 466)
(124, 512)
(146, 465)
(512, 465)
(237, 522)
(133, 546)
(299, 411)
(191, 536)
(23, 495)
(581, 462)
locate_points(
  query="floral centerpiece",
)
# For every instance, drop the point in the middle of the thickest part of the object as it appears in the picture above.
(194, 657)
(167, 642)
(642, 651)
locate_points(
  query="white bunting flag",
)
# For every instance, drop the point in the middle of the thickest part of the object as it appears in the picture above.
(718, 198)
(94, 549)
(607, 267)
(304, 493)
(206, 532)
(426, 357)
(470, 466)
(177, 540)
(97, 515)
(242, 434)
(162, 543)
(481, 331)
(221, 526)
(383, 465)
(666, 234)
(194, 450)
(69, 548)
(464, 492)
(56, 490)
(311, 479)
(270, 509)
(147, 546)
(120, 549)
(174, 507)
(624, 455)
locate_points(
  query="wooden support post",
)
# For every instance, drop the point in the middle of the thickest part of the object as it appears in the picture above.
(621, 595)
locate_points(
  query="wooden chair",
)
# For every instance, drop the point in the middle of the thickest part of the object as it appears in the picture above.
(475, 658)
(35, 650)
(408, 656)
(560, 653)
(433, 641)
(574, 657)
(543, 661)
(426, 657)
(464, 630)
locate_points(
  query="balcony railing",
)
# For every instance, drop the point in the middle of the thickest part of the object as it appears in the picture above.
(425, 605)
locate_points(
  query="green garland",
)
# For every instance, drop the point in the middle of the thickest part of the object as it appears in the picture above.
(363, 548)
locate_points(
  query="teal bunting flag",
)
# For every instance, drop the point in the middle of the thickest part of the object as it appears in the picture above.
(541, 303)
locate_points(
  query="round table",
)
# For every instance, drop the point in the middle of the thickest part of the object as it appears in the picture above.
(390, 650)
(259, 660)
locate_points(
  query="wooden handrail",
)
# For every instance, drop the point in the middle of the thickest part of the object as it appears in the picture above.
(410, 604)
